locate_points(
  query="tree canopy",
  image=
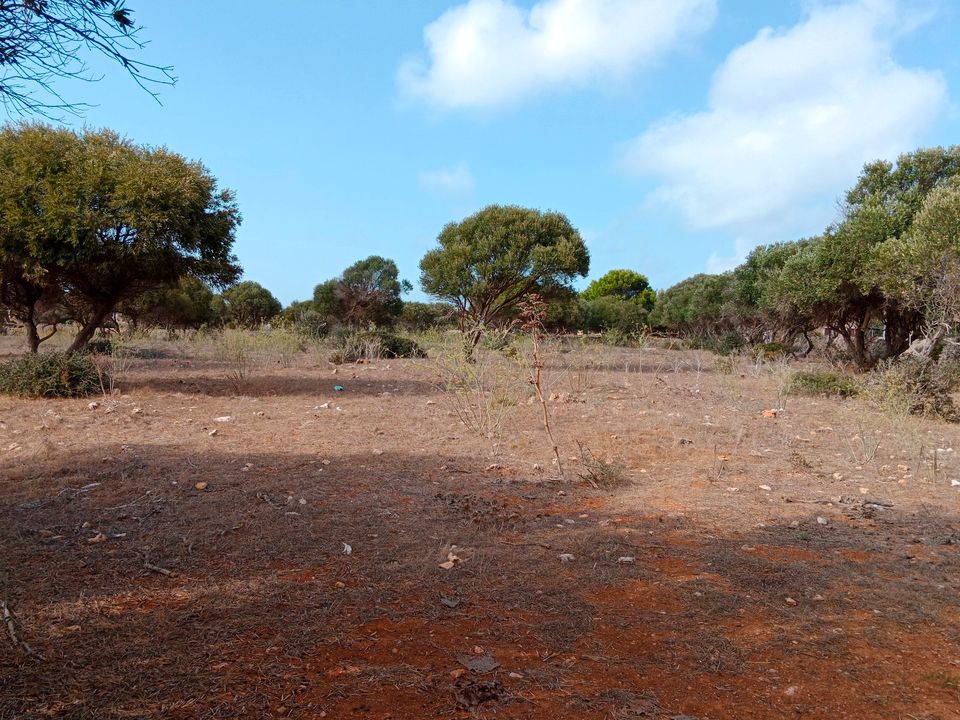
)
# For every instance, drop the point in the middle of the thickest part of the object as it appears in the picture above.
(249, 304)
(489, 261)
(623, 284)
(90, 220)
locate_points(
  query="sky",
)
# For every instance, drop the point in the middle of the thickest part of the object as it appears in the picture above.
(676, 135)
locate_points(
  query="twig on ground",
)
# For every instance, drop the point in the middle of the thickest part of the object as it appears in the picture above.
(11, 622)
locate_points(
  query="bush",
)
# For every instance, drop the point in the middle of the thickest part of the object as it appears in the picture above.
(724, 344)
(51, 375)
(822, 384)
(374, 345)
(99, 346)
(771, 351)
(915, 386)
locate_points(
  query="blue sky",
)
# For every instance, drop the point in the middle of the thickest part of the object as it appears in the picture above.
(675, 134)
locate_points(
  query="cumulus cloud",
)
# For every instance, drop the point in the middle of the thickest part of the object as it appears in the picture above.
(490, 52)
(792, 116)
(449, 181)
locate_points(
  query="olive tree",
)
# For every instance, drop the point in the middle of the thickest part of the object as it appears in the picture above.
(488, 262)
(249, 304)
(90, 220)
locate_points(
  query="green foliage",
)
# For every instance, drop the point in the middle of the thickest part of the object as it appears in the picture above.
(90, 220)
(488, 262)
(301, 316)
(613, 314)
(50, 375)
(187, 305)
(724, 343)
(368, 292)
(99, 346)
(771, 351)
(622, 284)
(420, 316)
(822, 384)
(249, 304)
(372, 345)
(694, 306)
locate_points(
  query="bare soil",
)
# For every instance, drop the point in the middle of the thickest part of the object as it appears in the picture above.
(285, 560)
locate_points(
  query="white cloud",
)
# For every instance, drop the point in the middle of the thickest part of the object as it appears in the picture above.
(450, 181)
(490, 52)
(792, 117)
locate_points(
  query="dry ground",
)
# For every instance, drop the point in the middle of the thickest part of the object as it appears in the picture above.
(798, 566)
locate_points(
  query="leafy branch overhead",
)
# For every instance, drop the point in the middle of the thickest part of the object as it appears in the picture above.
(43, 41)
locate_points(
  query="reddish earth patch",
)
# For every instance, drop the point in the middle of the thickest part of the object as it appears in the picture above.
(690, 591)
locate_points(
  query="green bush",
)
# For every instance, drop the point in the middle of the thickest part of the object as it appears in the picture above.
(726, 343)
(373, 345)
(51, 375)
(915, 386)
(822, 384)
(99, 346)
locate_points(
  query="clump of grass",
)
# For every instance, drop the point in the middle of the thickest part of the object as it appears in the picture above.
(51, 375)
(822, 384)
(605, 474)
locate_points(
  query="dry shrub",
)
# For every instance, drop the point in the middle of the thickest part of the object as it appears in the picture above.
(600, 473)
(50, 375)
(822, 384)
(914, 386)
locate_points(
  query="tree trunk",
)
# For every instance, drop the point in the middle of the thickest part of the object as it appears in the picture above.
(88, 329)
(33, 337)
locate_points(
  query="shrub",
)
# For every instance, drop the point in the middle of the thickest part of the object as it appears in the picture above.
(50, 375)
(915, 386)
(605, 474)
(822, 384)
(373, 345)
(771, 351)
(726, 343)
(99, 346)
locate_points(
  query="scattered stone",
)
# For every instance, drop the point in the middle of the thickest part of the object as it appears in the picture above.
(566, 557)
(515, 676)
(821, 520)
(458, 673)
(955, 483)
(447, 565)
(449, 602)
(493, 466)
(200, 486)
(86, 525)
(626, 560)
(377, 451)
(223, 419)
(480, 663)
(98, 538)
(838, 476)
(347, 549)
(791, 602)
(790, 691)
(212, 432)
(769, 413)
(864, 491)
(766, 487)
(339, 585)
(818, 598)
(93, 406)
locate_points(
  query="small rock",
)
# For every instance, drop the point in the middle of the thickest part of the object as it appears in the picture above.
(790, 691)
(223, 419)
(447, 565)
(818, 598)
(200, 486)
(766, 487)
(537, 466)
(136, 411)
(477, 650)
(515, 676)
(791, 602)
(626, 559)
(458, 673)
(566, 557)
(431, 402)
(864, 491)
(324, 406)
(86, 525)
(98, 538)
(212, 432)
(821, 520)
(347, 549)
(838, 476)
(93, 406)
(377, 451)
(955, 483)
(339, 585)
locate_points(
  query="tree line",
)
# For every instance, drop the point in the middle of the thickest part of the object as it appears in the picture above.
(93, 226)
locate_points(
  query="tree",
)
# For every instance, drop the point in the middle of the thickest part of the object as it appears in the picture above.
(188, 304)
(623, 284)
(694, 306)
(835, 279)
(42, 41)
(89, 221)
(488, 262)
(369, 292)
(250, 304)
